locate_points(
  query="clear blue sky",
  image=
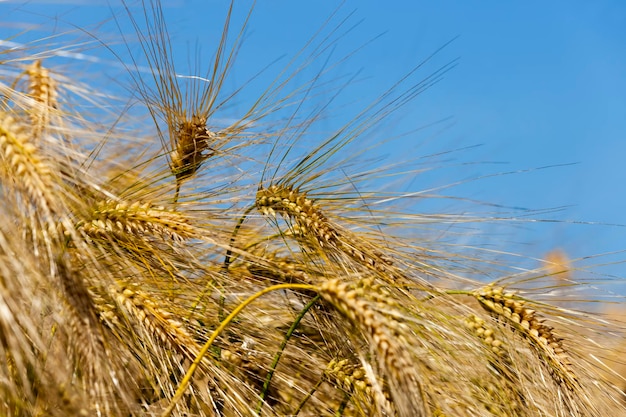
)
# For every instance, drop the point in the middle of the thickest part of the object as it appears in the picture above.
(537, 84)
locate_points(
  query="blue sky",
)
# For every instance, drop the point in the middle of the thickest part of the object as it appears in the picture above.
(537, 84)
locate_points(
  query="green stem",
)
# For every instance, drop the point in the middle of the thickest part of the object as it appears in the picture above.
(229, 252)
(225, 266)
(281, 349)
(343, 405)
(308, 396)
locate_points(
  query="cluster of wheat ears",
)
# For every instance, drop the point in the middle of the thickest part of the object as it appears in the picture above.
(187, 266)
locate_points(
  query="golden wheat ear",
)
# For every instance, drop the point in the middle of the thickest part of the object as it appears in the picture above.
(43, 89)
(194, 140)
(543, 342)
(321, 233)
(399, 369)
(182, 106)
(25, 168)
(529, 324)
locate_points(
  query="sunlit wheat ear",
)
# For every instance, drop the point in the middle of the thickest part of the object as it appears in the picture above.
(43, 89)
(120, 219)
(193, 146)
(185, 104)
(86, 335)
(24, 167)
(284, 270)
(530, 325)
(313, 224)
(146, 312)
(382, 332)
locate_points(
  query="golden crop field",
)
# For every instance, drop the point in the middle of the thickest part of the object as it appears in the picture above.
(158, 258)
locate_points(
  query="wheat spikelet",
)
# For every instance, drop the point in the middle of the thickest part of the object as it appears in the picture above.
(486, 334)
(43, 89)
(353, 379)
(348, 376)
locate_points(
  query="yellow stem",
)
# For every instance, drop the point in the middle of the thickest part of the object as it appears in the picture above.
(187, 378)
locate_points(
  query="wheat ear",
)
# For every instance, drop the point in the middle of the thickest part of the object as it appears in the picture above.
(312, 222)
(508, 397)
(284, 270)
(159, 322)
(121, 219)
(529, 324)
(43, 89)
(25, 167)
(383, 334)
(193, 140)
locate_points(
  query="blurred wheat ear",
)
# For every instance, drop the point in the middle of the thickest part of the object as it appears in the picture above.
(283, 289)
